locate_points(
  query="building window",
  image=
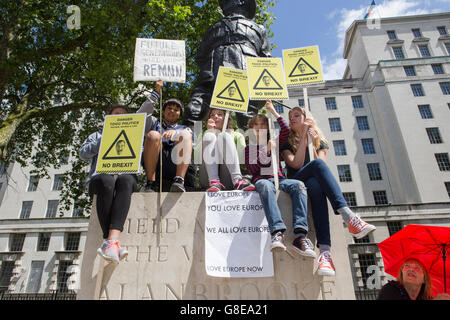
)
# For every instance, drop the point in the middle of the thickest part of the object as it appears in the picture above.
(380, 197)
(409, 71)
(445, 87)
(394, 227)
(350, 198)
(437, 68)
(442, 30)
(78, 210)
(442, 161)
(447, 46)
(26, 209)
(335, 124)
(339, 148)
(417, 90)
(16, 241)
(33, 183)
(301, 103)
(425, 111)
(52, 208)
(58, 182)
(43, 241)
(357, 102)
(6, 273)
(34, 280)
(434, 135)
(374, 171)
(391, 35)
(363, 123)
(331, 103)
(398, 53)
(63, 276)
(72, 241)
(447, 186)
(344, 173)
(417, 33)
(368, 146)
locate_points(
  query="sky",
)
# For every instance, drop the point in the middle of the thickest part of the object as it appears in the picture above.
(301, 23)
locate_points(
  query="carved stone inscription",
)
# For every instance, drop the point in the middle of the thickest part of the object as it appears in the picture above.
(166, 259)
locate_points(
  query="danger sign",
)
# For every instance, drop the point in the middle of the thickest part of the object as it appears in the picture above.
(266, 79)
(120, 149)
(231, 90)
(302, 66)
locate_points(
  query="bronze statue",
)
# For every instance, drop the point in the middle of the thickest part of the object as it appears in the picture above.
(227, 43)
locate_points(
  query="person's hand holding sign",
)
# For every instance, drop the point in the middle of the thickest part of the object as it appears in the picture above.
(169, 134)
(158, 86)
(269, 106)
(211, 124)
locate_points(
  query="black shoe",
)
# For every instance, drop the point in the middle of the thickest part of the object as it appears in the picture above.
(304, 246)
(149, 186)
(177, 185)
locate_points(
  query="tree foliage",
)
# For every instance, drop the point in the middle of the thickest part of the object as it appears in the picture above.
(56, 82)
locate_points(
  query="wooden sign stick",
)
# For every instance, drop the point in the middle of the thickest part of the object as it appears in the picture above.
(273, 154)
(308, 114)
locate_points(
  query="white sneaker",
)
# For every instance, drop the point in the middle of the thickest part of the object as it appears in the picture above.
(326, 266)
(278, 242)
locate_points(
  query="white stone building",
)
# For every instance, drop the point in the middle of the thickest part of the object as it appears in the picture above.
(40, 248)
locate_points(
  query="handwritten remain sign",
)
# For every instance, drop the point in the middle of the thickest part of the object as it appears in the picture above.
(237, 236)
(158, 59)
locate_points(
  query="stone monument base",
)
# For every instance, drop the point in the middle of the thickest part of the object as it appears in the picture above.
(166, 258)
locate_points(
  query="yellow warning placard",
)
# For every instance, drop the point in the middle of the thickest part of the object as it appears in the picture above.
(266, 79)
(120, 148)
(302, 66)
(231, 90)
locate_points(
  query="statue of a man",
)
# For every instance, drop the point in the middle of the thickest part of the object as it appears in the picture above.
(227, 43)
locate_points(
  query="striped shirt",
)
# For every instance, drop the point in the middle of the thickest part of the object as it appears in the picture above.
(257, 159)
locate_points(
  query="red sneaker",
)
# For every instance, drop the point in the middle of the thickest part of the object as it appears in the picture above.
(358, 228)
(244, 186)
(215, 186)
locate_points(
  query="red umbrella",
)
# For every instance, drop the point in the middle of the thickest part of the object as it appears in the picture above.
(428, 244)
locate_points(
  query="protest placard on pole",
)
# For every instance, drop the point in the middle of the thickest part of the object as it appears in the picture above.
(120, 147)
(266, 79)
(160, 59)
(237, 236)
(230, 92)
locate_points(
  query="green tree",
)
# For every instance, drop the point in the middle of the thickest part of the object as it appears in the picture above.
(57, 81)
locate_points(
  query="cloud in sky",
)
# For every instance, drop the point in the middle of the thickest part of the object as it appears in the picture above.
(334, 65)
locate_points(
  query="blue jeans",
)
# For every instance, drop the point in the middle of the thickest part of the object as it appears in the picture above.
(321, 184)
(296, 190)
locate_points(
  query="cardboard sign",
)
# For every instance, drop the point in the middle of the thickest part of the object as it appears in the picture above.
(120, 148)
(302, 66)
(231, 90)
(237, 236)
(158, 59)
(266, 79)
